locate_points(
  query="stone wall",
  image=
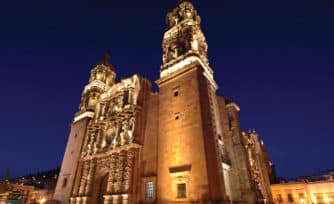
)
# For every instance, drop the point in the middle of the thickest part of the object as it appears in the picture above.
(70, 162)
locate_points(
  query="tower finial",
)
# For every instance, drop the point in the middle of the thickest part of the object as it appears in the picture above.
(107, 57)
(107, 60)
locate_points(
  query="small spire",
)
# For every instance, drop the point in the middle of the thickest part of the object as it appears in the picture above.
(107, 57)
(107, 60)
(180, 1)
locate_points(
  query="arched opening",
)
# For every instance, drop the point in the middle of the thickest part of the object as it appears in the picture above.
(102, 189)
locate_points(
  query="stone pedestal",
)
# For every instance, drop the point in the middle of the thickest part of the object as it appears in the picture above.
(125, 199)
(108, 199)
(116, 199)
(85, 200)
(78, 200)
(73, 201)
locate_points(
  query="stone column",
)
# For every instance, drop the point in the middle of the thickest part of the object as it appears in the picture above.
(90, 178)
(76, 187)
(99, 139)
(83, 179)
(122, 160)
(118, 174)
(129, 165)
(111, 175)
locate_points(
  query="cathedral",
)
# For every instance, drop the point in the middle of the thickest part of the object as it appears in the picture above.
(182, 144)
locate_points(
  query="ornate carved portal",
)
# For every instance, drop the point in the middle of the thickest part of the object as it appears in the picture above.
(111, 143)
(107, 179)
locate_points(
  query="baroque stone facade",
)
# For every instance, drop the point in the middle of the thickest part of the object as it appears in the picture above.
(182, 144)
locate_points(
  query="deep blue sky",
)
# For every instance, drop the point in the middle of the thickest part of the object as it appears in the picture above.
(274, 58)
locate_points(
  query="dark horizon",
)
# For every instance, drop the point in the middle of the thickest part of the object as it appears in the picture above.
(274, 59)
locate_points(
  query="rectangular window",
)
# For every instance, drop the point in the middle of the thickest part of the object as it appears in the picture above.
(64, 182)
(181, 190)
(177, 116)
(149, 190)
(279, 198)
(290, 197)
(176, 91)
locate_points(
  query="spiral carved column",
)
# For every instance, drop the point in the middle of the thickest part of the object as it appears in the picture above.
(129, 165)
(118, 175)
(78, 180)
(111, 176)
(90, 178)
(83, 181)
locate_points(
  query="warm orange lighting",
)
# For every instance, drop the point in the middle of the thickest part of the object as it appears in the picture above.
(42, 200)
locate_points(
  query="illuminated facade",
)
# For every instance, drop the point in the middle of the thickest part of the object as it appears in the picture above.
(183, 144)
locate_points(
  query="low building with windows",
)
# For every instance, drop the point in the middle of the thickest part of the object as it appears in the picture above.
(320, 191)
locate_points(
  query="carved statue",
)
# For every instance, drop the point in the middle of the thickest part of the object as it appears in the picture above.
(124, 131)
(103, 111)
(136, 91)
(117, 141)
(172, 52)
(131, 128)
(176, 19)
(110, 135)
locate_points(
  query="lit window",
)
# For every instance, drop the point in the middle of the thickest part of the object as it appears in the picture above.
(149, 190)
(181, 190)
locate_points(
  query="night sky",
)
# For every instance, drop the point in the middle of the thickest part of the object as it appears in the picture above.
(274, 58)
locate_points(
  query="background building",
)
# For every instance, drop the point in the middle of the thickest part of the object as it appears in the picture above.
(182, 144)
(30, 189)
(308, 190)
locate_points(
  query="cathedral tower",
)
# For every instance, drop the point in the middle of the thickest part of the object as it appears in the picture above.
(101, 78)
(189, 158)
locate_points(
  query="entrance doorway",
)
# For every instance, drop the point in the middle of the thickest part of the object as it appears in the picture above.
(102, 189)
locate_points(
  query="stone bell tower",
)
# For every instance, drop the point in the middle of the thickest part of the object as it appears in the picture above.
(101, 78)
(189, 158)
